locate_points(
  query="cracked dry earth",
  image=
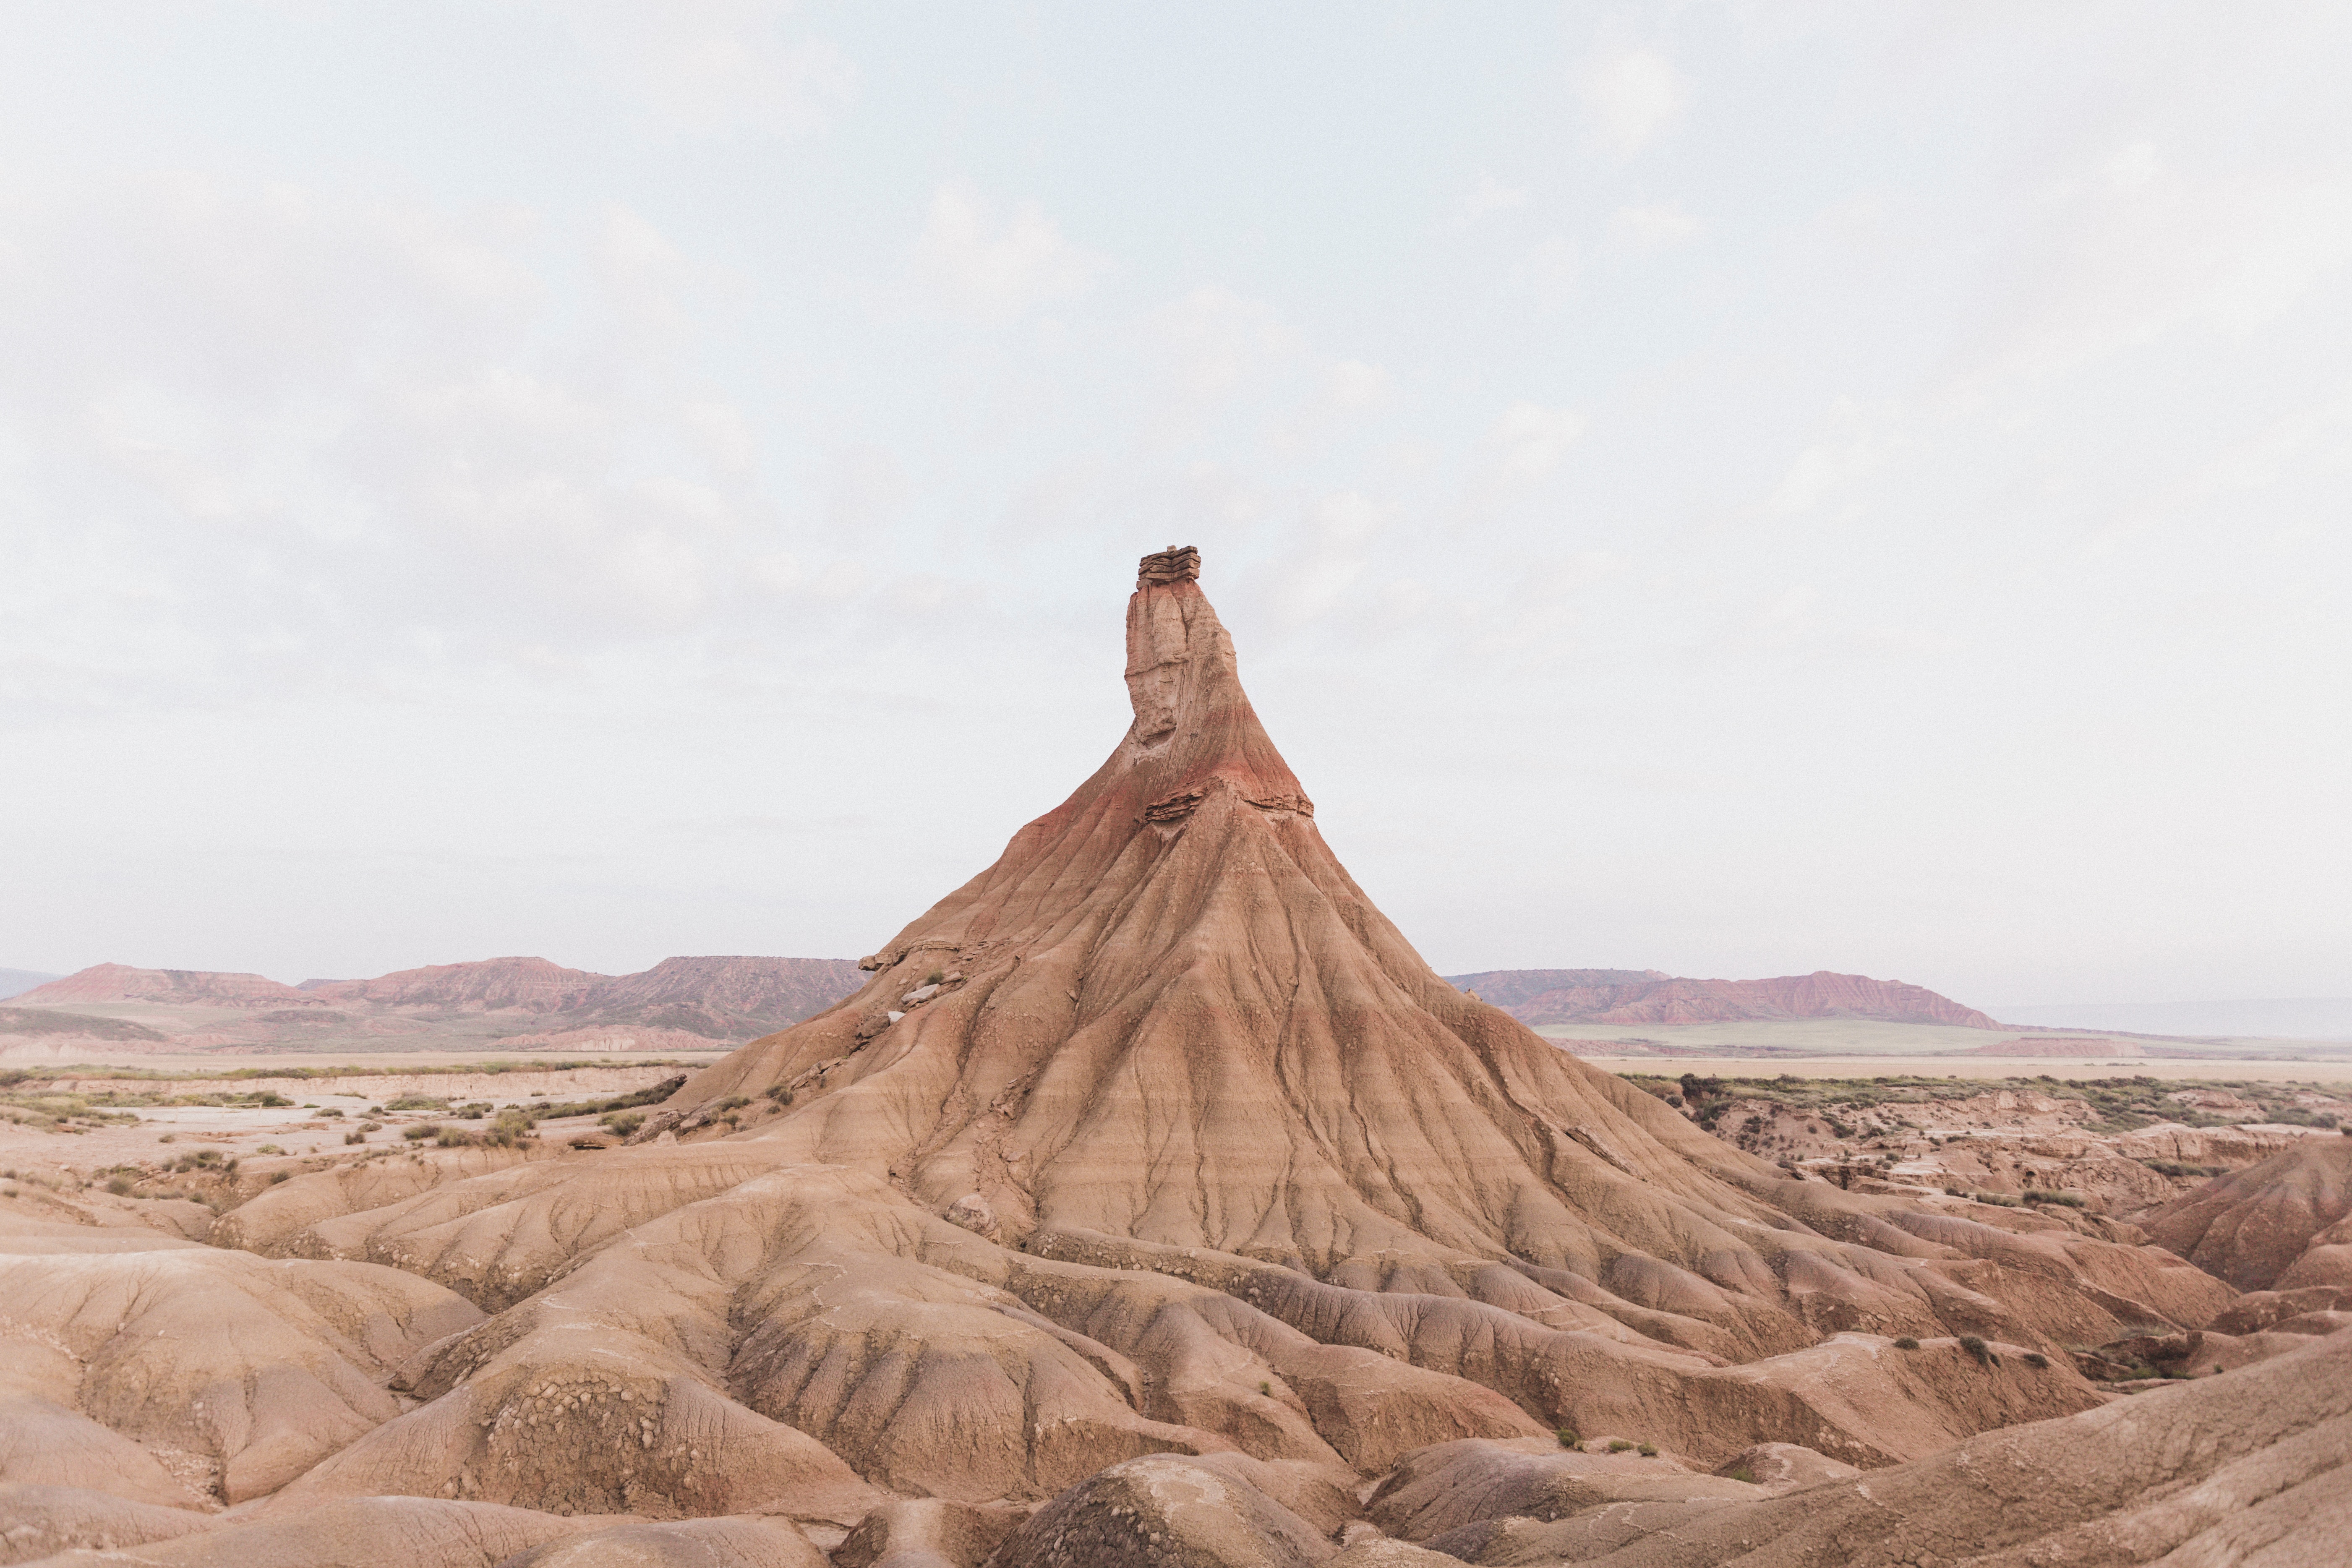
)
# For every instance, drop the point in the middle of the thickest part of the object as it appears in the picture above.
(1153, 1203)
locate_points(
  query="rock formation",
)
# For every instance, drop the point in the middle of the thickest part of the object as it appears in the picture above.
(1151, 1202)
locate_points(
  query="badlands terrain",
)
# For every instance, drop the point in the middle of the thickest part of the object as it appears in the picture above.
(1152, 1202)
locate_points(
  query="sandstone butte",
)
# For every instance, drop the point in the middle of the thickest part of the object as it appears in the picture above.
(1153, 1203)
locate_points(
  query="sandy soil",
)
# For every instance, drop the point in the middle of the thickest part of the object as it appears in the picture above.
(303, 1133)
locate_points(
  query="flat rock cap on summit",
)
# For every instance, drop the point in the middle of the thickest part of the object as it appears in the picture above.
(1177, 563)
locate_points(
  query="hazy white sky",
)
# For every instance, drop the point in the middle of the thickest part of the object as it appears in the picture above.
(1734, 489)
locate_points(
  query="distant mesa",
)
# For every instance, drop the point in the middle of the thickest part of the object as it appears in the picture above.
(188, 987)
(1540, 996)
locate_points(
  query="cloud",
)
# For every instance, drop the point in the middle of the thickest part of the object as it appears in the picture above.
(1530, 441)
(1549, 270)
(1638, 230)
(1215, 342)
(1856, 441)
(1334, 552)
(705, 67)
(991, 269)
(2125, 254)
(1489, 195)
(284, 438)
(1629, 96)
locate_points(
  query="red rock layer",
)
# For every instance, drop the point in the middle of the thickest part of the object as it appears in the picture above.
(1540, 996)
(190, 987)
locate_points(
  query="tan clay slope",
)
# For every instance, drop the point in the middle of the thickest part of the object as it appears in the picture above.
(1184, 1151)
(2282, 1217)
(2253, 1469)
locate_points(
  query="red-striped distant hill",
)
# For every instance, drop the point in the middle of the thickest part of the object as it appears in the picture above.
(1539, 996)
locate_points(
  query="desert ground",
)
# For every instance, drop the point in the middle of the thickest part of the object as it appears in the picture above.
(1151, 1202)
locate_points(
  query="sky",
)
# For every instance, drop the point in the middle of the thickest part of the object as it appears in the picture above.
(1736, 489)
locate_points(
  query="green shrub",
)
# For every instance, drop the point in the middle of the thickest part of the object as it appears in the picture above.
(268, 1149)
(1648, 1450)
(421, 1131)
(733, 1102)
(1567, 1437)
(277, 1176)
(1742, 1473)
(452, 1138)
(1978, 1349)
(1906, 1343)
(1620, 1446)
(1265, 1387)
(354, 1137)
(119, 1186)
(2047, 1195)
(622, 1122)
(2036, 1359)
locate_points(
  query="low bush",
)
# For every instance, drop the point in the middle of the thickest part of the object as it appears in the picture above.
(2049, 1195)
(1620, 1446)
(653, 1094)
(622, 1122)
(421, 1131)
(452, 1138)
(1567, 1437)
(1742, 1473)
(1978, 1349)
(1906, 1343)
(354, 1137)
(2036, 1359)
(1648, 1450)
(119, 1186)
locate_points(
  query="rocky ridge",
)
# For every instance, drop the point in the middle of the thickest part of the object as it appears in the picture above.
(1540, 996)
